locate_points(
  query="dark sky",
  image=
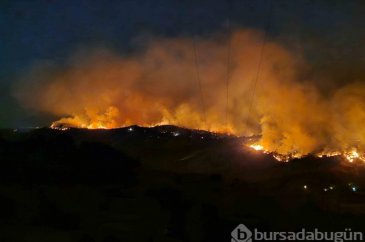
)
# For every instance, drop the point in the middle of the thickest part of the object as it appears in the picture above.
(331, 32)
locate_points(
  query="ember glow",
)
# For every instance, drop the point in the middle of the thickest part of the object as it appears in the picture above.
(257, 147)
(350, 156)
(354, 155)
(158, 85)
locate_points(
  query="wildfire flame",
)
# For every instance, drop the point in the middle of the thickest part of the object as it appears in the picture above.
(354, 155)
(351, 155)
(257, 147)
(292, 115)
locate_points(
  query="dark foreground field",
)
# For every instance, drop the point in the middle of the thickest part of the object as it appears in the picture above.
(164, 184)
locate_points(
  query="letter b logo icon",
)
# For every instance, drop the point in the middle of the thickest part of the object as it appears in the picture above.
(241, 234)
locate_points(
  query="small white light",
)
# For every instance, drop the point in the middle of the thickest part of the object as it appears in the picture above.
(354, 189)
(305, 187)
(130, 129)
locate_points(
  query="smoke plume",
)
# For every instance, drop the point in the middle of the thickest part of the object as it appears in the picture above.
(159, 85)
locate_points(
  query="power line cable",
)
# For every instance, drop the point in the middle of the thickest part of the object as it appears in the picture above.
(261, 57)
(198, 79)
(229, 55)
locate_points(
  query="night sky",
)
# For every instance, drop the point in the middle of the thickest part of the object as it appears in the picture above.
(330, 33)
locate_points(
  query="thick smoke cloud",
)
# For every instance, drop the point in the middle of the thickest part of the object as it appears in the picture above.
(159, 86)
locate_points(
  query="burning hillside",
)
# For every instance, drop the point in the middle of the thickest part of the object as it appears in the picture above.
(158, 86)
